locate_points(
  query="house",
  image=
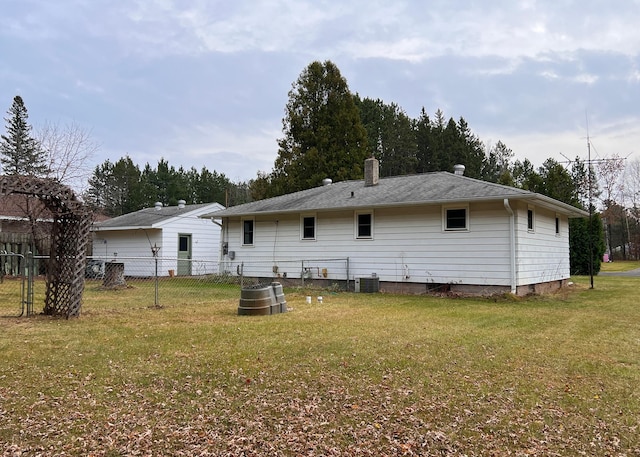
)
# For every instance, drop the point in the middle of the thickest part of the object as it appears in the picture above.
(186, 244)
(22, 217)
(431, 231)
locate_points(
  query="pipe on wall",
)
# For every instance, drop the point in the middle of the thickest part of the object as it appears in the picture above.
(512, 246)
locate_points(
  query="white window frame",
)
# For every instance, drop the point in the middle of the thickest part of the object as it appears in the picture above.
(445, 209)
(315, 226)
(531, 228)
(356, 224)
(253, 231)
(558, 225)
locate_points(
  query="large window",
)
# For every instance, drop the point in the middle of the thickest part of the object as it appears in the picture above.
(247, 232)
(456, 218)
(308, 227)
(364, 225)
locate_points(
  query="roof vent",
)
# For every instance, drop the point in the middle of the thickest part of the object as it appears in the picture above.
(326, 182)
(181, 204)
(158, 206)
(458, 169)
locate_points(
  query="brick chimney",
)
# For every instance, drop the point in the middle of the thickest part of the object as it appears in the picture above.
(371, 171)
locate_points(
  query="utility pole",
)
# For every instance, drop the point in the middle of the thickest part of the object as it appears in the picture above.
(590, 172)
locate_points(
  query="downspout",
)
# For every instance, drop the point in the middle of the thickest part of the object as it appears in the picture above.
(512, 246)
(223, 236)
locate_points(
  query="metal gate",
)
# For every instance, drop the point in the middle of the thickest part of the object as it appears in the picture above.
(21, 268)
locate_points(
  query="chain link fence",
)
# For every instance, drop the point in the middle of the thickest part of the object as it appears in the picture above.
(163, 280)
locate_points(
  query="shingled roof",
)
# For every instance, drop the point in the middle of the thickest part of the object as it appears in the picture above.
(148, 217)
(420, 189)
(14, 206)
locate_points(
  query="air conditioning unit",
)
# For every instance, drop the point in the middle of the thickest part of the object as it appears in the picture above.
(367, 285)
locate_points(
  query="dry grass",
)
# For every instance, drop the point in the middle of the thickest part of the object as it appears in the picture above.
(358, 375)
(620, 265)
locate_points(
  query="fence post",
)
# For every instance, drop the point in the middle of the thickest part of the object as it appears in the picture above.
(30, 272)
(154, 250)
(347, 274)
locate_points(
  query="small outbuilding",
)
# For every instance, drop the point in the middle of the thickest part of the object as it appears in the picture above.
(185, 243)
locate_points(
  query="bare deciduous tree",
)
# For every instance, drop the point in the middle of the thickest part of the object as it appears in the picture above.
(70, 149)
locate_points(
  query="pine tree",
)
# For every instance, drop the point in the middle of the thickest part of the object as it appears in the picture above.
(391, 136)
(324, 137)
(21, 153)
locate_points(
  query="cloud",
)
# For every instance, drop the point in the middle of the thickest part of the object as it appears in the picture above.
(237, 151)
(616, 138)
(401, 30)
(205, 81)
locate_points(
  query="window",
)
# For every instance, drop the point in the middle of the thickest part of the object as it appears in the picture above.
(456, 219)
(308, 227)
(247, 232)
(557, 225)
(364, 225)
(183, 243)
(530, 219)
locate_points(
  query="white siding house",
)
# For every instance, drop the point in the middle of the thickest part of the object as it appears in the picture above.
(432, 231)
(188, 244)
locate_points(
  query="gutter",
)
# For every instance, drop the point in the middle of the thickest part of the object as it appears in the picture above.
(512, 246)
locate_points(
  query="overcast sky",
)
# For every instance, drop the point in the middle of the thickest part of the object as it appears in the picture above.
(205, 82)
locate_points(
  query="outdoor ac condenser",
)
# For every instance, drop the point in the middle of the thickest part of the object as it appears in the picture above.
(367, 285)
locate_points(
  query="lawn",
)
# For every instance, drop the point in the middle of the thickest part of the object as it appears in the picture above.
(620, 265)
(359, 374)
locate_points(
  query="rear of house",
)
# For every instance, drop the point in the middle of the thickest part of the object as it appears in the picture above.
(436, 231)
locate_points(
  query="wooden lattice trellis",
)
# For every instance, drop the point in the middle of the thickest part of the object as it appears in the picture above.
(69, 239)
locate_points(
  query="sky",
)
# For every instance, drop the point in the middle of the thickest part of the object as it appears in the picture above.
(204, 83)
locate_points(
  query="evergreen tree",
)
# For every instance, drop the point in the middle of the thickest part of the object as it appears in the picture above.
(391, 136)
(424, 143)
(117, 188)
(209, 187)
(581, 234)
(21, 153)
(497, 165)
(323, 134)
(557, 183)
(471, 153)
(526, 177)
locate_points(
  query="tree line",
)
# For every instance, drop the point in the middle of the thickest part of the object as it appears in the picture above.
(121, 187)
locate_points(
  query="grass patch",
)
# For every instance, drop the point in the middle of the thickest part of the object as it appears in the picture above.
(361, 374)
(620, 265)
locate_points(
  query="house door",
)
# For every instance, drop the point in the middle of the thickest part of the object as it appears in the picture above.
(184, 255)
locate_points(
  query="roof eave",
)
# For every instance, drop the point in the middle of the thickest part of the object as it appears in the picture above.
(571, 211)
(551, 203)
(122, 228)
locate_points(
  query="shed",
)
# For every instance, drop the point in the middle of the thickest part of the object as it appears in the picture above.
(187, 244)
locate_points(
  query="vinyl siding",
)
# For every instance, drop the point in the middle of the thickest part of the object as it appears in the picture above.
(542, 254)
(408, 245)
(133, 246)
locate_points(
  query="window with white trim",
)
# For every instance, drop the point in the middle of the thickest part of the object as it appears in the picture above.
(557, 225)
(308, 227)
(248, 232)
(455, 218)
(364, 226)
(531, 219)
